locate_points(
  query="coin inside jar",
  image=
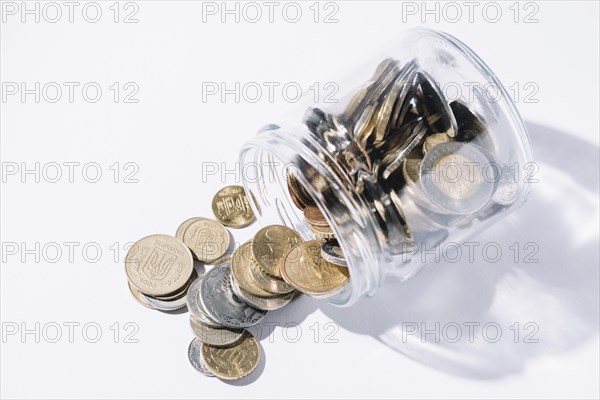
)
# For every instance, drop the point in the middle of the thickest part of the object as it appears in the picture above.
(314, 216)
(231, 207)
(332, 252)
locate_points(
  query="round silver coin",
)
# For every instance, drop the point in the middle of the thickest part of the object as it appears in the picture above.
(164, 305)
(456, 177)
(195, 305)
(195, 359)
(218, 337)
(332, 252)
(262, 303)
(222, 305)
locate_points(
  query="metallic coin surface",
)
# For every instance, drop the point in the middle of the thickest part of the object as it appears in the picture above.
(271, 244)
(231, 207)
(139, 297)
(170, 305)
(323, 232)
(158, 265)
(195, 306)
(232, 362)
(314, 216)
(308, 272)
(332, 252)
(267, 282)
(433, 140)
(184, 225)
(453, 176)
(262, 303)
(222, 305)
(241, 270)
(214, 336)
(298, 194)
(207, 239)
(196, 359)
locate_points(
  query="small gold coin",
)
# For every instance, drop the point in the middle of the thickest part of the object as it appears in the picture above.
(241, 270)
(308, 272)
(208, 240)
(231, 207)
(432, 140)
(159, 265)
(314, 216)
(184, 225)
(271, 244)
(232, 362)
(298, 194)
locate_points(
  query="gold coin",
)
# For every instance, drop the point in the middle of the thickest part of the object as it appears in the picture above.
(159, 265)
(432, 140)
(241, 271)
(208, 240)
(184, 225)
(323, 232)
(231, 207)
(308, 272)
(180, 292)
(314, 216)
(232, 362)
(298, 194)
(271, 244)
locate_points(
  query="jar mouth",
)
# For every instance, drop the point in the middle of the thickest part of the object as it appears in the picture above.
(270, 154)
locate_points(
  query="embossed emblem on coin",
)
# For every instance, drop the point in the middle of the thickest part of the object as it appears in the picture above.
(231, 207)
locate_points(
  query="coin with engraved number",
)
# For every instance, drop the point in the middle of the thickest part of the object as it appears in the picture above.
(195, 306)
(241, 271)
(332, 252)
(208, 240)
(232, 362)
(158, 265)
(308, 272)
(222, 305)
(196, 359)
(271, 244)
(214, 336)
(231, 207)
(262, 303)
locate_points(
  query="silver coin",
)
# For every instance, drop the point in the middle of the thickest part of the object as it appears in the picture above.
(455, 176)
(195, 359)
(222, 305)
(164, 305)
(262, 303)
(394, 160)
(195, 305)
(332, 252)
(218, 337)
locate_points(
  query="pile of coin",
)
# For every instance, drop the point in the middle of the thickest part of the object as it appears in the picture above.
(264, 274)
(419, 161)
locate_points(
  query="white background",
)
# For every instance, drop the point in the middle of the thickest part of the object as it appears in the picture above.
(170, 132)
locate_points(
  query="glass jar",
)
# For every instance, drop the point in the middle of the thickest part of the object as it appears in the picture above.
(418, 153)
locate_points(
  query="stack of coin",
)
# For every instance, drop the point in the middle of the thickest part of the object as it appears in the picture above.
(159, 268)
